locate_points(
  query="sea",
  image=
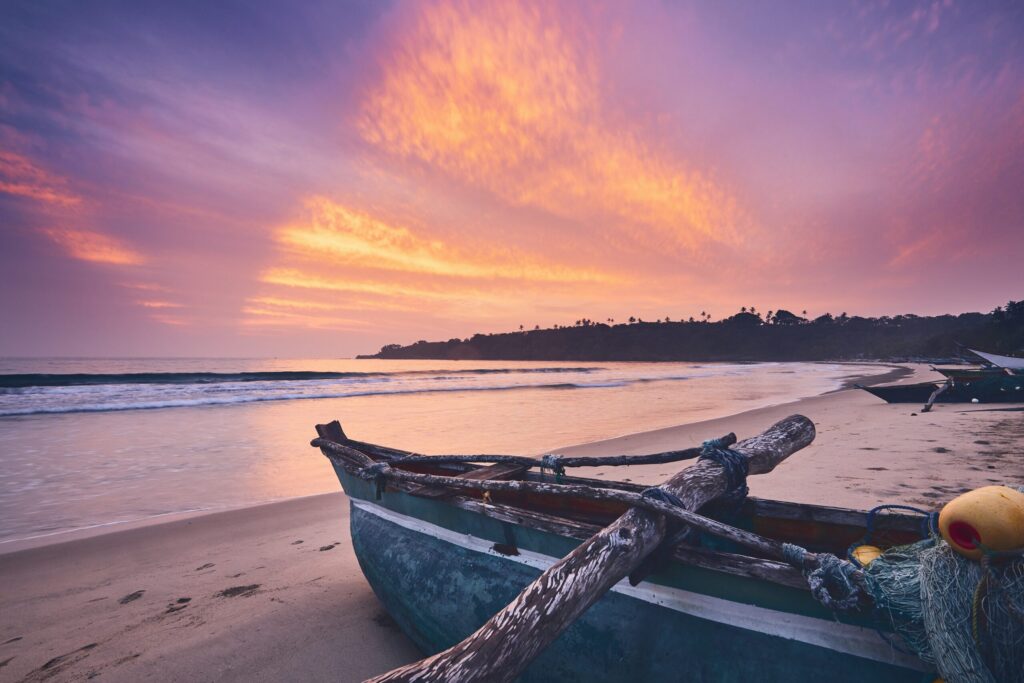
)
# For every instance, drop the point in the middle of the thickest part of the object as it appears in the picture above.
(96, 443)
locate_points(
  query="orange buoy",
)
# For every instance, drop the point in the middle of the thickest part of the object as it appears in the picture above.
(991, 518)
(866, 554)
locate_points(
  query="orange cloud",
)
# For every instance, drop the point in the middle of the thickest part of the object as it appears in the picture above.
(21, 177)
(173, 321)
(146, 286)
(158, 304)
(276, 317)
(93, 246)
(291, 277)
(500, 95)
(344, 260)
(346, 235)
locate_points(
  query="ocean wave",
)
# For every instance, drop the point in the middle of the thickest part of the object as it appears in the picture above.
(25, 381)
(235, 399)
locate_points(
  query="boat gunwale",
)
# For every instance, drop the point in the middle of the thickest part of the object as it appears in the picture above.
(728, 562)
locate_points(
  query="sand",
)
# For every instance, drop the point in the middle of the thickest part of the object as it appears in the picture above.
(273, 592)
(266, 593)
(866, 452)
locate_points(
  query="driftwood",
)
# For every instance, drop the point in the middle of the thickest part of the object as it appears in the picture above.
(503, 647)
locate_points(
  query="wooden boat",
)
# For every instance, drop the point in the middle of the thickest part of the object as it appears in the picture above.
(965, 374)
(980, 386)
(903, 393)
(443, 563)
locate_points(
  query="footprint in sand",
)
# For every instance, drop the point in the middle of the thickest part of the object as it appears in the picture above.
(239, 591)
(66, 658)
(131, 597)
(177, 605)
(297, 542)
(205, 566)
(327, 547)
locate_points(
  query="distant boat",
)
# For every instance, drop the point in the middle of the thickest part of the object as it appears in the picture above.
(961, 374)
(443, 564)
(1008, 362)
(963, 386)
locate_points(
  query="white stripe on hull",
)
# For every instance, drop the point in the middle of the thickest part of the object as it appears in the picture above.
(833, 635)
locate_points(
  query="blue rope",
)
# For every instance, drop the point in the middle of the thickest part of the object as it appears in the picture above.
(735, 465)
(659, 494)
(929, 526)
(929, 520)
(831, 580)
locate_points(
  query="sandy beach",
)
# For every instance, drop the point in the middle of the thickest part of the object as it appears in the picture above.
(273, 592)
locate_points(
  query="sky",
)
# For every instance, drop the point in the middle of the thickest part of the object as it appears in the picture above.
(321, 178)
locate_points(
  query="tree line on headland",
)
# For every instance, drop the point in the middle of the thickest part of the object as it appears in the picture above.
(746, 336)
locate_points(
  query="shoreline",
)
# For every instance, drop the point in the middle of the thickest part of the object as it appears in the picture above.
(888, 373)
(273, 591)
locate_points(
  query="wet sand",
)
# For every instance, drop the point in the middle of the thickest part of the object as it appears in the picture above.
(273, 592)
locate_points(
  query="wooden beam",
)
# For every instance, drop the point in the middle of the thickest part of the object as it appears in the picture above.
(497, 472)
(503, 647)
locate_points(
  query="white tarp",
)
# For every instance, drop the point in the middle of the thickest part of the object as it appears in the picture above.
(1002, 361)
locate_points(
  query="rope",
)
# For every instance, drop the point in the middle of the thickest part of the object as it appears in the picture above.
(735, 465)
(929, 526)
(554, 463)
(831, 580)
(377, 473)
(660, 494)
(558, 463)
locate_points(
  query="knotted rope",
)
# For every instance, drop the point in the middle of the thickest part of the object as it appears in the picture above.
(735, 465)
(378, 474)
(833, 582)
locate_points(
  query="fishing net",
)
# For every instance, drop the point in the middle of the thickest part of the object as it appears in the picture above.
(963, 616)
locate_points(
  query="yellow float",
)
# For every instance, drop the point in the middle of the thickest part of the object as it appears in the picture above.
(990, 518)
(866, 554)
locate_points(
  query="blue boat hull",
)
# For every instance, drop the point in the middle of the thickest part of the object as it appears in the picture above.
(441, 572)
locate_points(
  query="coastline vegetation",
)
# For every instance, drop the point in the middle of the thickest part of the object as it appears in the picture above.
(748, 335)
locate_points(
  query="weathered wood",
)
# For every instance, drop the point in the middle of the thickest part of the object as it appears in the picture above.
(727, 563)
(935, 394)
(751, 540)
(823, 514)
(496, 472)
(511, 639)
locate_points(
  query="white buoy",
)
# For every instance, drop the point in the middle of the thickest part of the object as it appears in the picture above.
(974, 400)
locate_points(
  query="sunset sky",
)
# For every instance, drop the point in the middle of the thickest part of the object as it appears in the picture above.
(292, 179)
